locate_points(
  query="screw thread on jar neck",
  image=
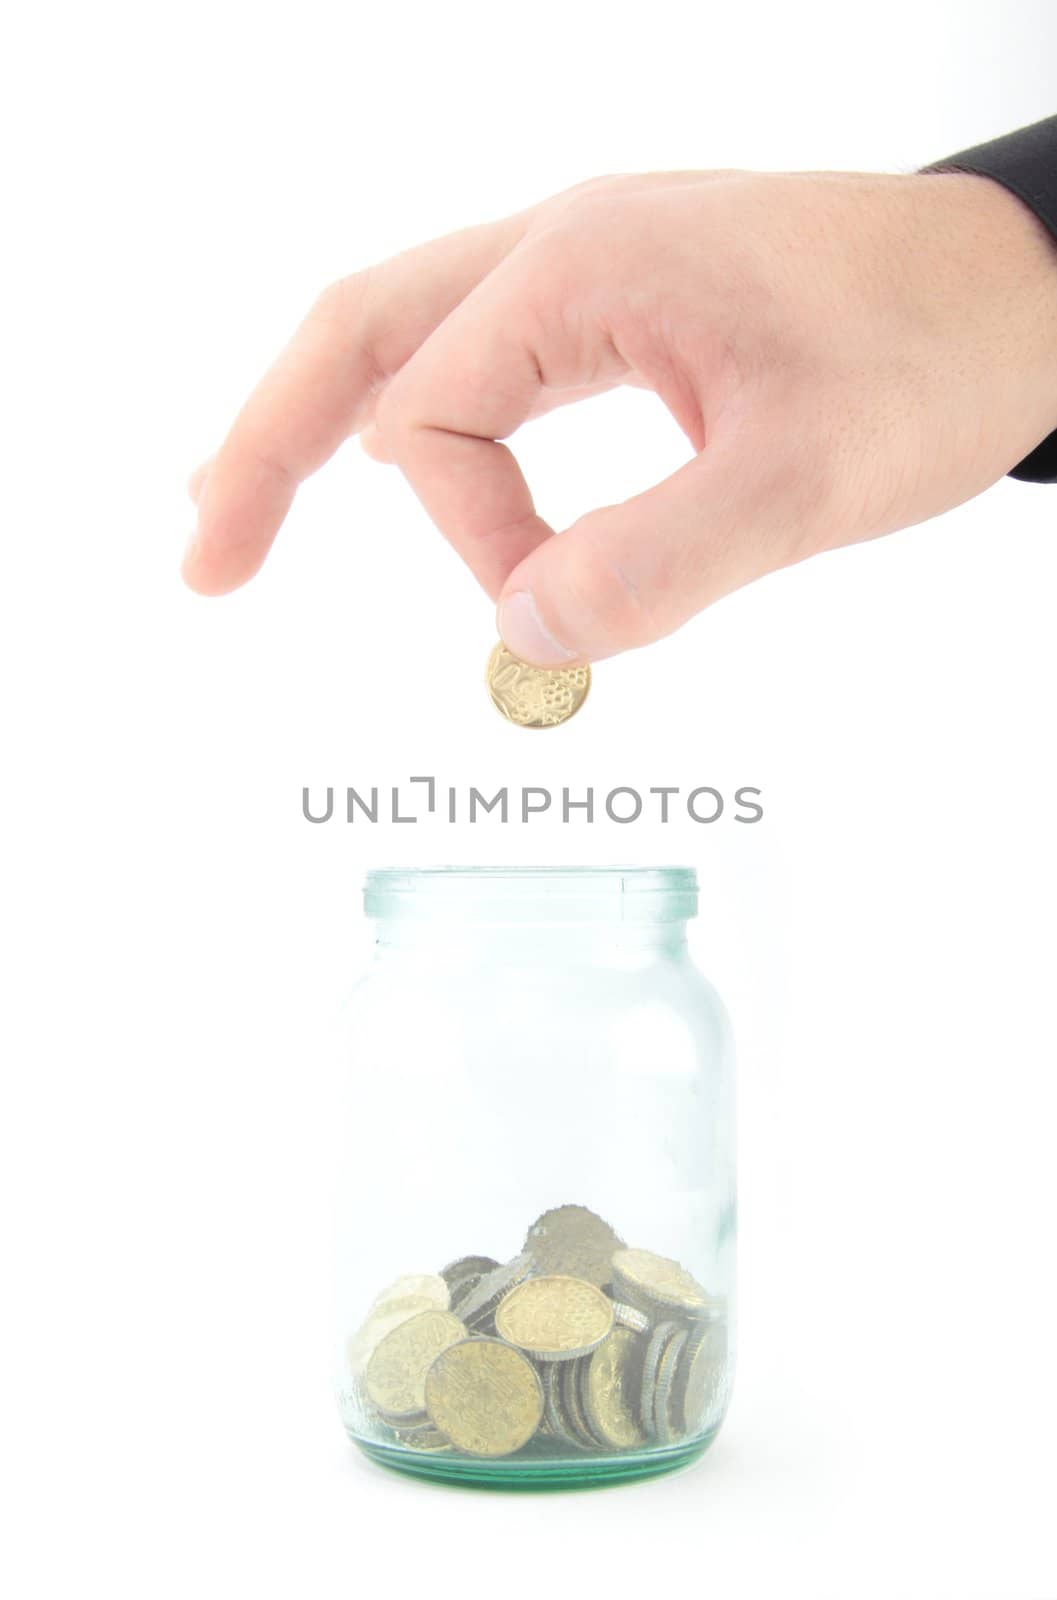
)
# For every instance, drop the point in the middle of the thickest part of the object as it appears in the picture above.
(578, 917)
(518, 897)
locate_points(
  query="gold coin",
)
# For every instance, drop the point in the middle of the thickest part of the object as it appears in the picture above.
(428, 1287)
(701, 1382)
(396, 1373)
(659, 1279)
(534, 697)
(485, 1397)
(574, 1241)
(379, 1322)
(611, 1379)
(555, 1318)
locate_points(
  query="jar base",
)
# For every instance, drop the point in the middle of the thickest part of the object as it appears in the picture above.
(537, 1473)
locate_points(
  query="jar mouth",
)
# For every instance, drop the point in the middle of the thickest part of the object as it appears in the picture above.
(533, 894)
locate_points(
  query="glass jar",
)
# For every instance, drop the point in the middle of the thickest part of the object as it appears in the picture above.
(537, 1207)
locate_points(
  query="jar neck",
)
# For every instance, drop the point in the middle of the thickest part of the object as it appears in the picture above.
(495, 915)
(536, 944)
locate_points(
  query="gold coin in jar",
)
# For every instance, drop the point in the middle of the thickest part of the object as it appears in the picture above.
(395, 1379)
(659, 1279)
(484, 1397)
(555, 1318)
(611, 1376)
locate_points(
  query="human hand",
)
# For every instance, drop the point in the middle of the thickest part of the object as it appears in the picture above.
(846, 354)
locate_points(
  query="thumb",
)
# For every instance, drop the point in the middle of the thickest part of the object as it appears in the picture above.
(625, 575)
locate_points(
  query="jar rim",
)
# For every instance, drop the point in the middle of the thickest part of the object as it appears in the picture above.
(536, 893)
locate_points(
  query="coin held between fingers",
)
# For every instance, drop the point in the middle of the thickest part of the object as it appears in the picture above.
(534, 697)
(526, 635)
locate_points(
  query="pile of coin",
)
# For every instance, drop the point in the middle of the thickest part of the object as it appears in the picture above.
(578, 1343)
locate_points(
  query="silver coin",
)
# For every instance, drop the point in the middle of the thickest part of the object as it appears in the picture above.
(477, 1310)
(429, 1440)
(552, 1403)
(627, 1295)
(627, 1316)
(423, 1433)
(572, 1405)
(456, 1272)
(404, 1422)
(463, 1288)
(651, 1361)
(558, 1424)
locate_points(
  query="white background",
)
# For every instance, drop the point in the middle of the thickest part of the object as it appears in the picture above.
(180, 182)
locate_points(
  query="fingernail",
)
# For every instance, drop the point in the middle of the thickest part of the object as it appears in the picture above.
(523, 632)
(192, 548)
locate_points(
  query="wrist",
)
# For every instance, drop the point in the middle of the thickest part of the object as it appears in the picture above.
(1010, 279)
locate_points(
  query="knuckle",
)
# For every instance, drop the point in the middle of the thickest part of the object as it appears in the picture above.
(598, 207)
(597, 191)
(393, 414)
(347, 307)
(606, 184)
(564, 255)
(333, 302)
(574, 227)
(348, 311)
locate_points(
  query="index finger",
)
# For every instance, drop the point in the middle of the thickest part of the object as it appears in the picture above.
(321, 390)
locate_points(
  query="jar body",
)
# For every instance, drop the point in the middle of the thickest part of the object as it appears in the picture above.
(539, 1157)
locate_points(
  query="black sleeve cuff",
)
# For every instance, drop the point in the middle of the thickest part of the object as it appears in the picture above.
(1025, 163)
